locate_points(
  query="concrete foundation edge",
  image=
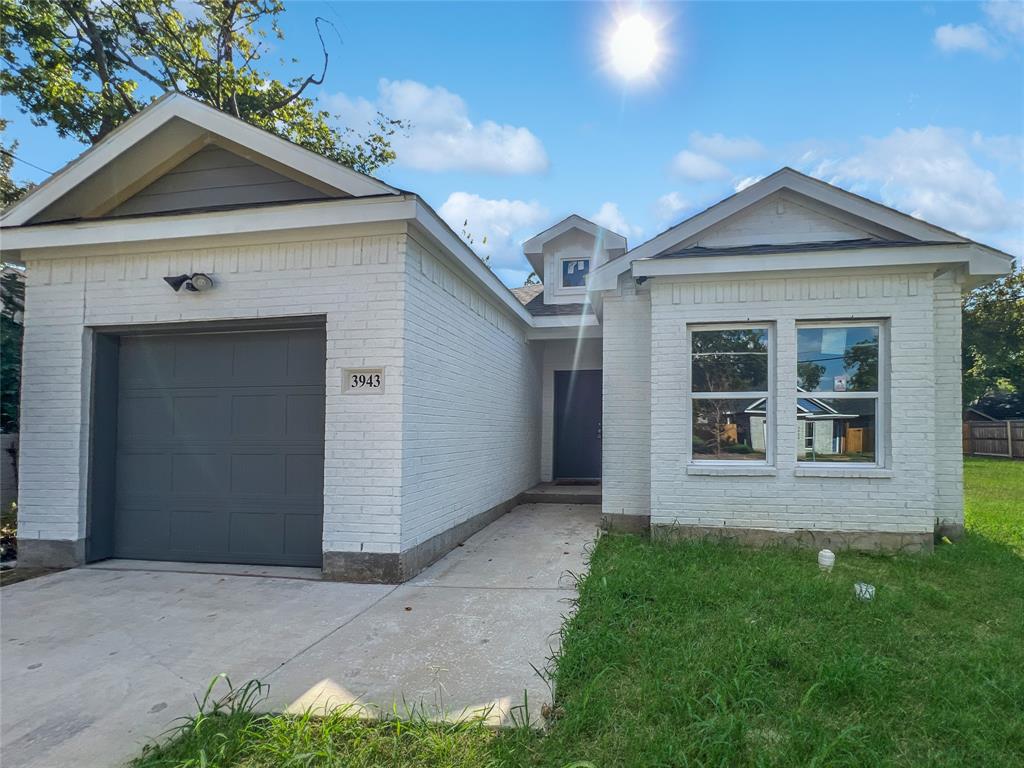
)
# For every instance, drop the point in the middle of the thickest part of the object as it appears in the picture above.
(626, 523)
(864, 541)
(50, 553)
(392, 568)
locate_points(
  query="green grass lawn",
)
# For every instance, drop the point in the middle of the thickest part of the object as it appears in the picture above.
(704, 654)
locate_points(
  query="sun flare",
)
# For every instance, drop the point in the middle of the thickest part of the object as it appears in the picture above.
(634, 47)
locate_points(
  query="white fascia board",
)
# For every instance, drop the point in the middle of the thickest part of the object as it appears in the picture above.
(440, 232)
(206, 117)
(313, 215)
(564, 321)
(976, 257)
(542, 333)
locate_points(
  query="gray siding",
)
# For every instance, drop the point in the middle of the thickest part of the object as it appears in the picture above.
(214, 177)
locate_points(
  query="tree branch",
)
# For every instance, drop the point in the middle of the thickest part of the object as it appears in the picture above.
(311, 80)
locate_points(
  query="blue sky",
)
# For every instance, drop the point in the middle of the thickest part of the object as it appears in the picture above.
(517, 120)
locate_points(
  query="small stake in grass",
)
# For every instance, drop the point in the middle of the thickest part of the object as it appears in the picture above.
(864, 591)
(826, 559)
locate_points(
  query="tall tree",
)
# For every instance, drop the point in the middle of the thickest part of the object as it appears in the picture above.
(86, 66)
(993, 338)
(12, 307)
(10, 190)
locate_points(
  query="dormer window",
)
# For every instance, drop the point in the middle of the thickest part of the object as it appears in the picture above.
(574, 272)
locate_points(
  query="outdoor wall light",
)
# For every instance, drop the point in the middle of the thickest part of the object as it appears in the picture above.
(196, 282)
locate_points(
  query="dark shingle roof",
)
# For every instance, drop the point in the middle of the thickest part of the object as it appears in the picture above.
(1004, 406)
(532, 297)
(827, 245)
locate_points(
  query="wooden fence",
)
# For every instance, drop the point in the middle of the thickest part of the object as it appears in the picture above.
(994, 438)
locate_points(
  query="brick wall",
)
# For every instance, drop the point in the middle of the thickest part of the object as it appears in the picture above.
(626, 457)
(357, 281)
(899, 498)
(949, 465)
(471, 406)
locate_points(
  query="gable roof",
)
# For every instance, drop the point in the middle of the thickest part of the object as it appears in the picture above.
(612, 240)
(192, 125)
(906, 227)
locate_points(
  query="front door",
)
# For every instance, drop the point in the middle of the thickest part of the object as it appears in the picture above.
(577, 425)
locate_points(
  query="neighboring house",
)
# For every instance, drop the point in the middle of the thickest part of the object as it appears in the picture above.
(239, 351)
(1005, 406)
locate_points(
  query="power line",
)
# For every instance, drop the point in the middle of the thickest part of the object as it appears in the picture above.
(26, 162)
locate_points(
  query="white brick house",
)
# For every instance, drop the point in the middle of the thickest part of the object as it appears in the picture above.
(239, 351)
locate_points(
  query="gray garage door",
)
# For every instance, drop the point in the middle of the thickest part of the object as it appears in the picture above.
(220, 447)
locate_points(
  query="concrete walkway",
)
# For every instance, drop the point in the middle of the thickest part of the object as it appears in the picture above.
(97, 661)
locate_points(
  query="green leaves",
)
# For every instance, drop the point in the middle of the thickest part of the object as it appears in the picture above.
(993, 338)
(86, 67)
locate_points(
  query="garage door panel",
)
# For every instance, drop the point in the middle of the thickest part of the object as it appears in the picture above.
(305, 358)
(223, 464)
(146, 362)
(260, 473)
(261, 359)
(145, 525)
(304, 475)
(142, 474)
(201, 417)
(304, 416)
(200, 473)
(259, 415)
(203, 360)
(254, 532)
(146, 417)
(302, 533)
(199, 530)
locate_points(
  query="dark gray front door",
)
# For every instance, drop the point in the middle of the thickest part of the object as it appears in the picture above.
(220, 447)
(577, 425)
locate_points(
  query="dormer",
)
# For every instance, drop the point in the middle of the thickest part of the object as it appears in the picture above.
(565, 254)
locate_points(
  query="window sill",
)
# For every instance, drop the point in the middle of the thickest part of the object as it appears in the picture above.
(731, 470)
(866, 472)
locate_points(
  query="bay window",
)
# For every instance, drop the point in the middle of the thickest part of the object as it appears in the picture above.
(729, 388)
(838, 399)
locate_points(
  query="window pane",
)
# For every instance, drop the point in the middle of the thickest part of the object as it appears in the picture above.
(730, 361)
(833, 429)
(730, 430)
(574, 272)
(837, 359)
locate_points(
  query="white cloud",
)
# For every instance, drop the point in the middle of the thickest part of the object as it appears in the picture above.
(610, 217)
(696, 167)
(747, 181)
(1006, 149)
(722, 147)
(929, 173)
(441, 136)
(669, 206)
(951, 38)
(506, 224)
(1006, 15)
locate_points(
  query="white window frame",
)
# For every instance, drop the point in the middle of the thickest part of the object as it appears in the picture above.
(880, 396)
(768, 395)
(561, 278)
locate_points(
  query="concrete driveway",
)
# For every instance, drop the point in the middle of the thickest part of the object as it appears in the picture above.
(97, 661)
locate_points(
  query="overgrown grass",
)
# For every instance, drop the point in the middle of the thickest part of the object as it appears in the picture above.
(702, 654)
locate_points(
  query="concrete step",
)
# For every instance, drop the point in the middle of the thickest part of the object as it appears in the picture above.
(547, 493)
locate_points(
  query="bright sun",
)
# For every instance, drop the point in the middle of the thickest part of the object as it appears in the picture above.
(634, 47)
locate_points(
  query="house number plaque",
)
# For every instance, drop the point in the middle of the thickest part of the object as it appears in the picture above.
(364, 380)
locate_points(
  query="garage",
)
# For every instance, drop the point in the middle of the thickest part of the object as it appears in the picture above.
(214, 444)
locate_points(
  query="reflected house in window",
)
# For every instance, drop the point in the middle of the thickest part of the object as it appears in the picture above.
(836, 430)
